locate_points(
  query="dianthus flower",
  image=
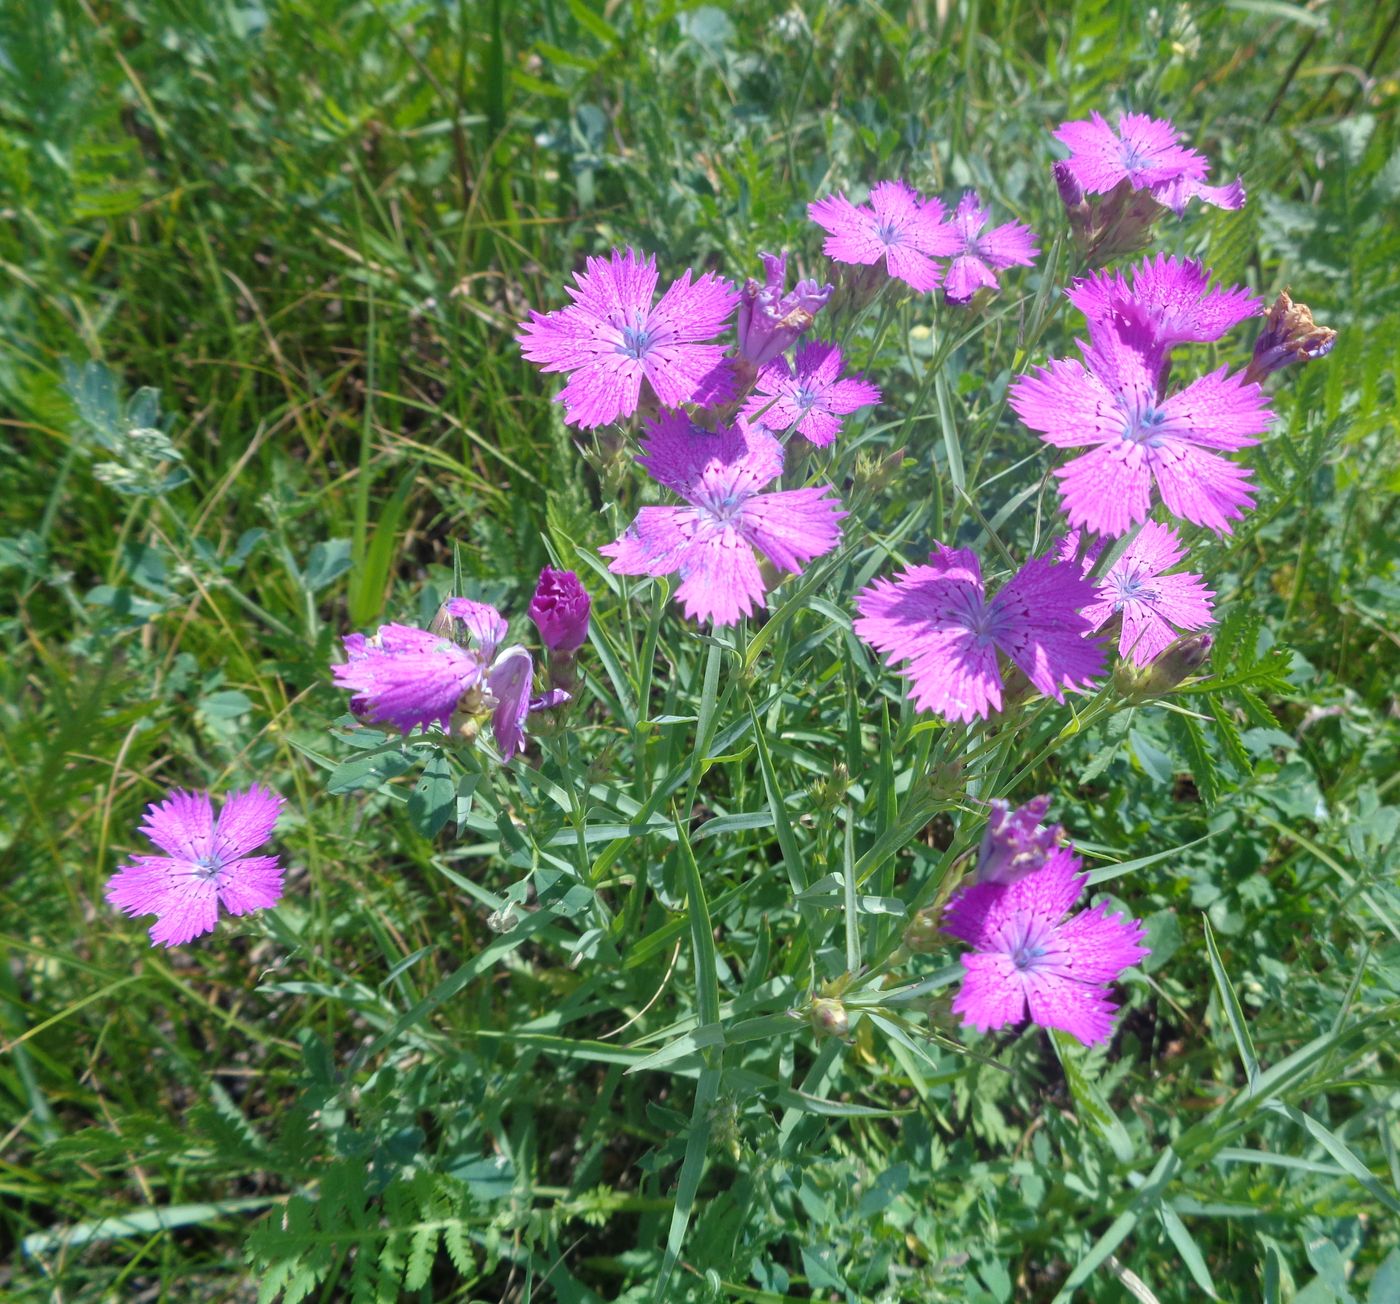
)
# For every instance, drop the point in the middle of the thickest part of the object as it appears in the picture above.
(1144, 152)
(898, 225)
(1027, 955)
(711, 540)
(810, 398)
(769, 320)
(1155, 607)
(1172, 296)
(1289, 336)
(408, 678)
(612, 337)
(207, 863)
(937, 619)
(1110, 402)
(560, 610)
(978, 253)
(1016, 842)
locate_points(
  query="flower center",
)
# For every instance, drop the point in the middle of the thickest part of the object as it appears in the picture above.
(1133, 588)
(730, 506)
(207, 867)
(636, 340)
(1025, 955)
(1142, 427)
(888, 233)
(806, 398)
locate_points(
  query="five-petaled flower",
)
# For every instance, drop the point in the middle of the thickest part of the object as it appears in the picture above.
(1143, 152)
(710, 541)
(980, 255)
(612, 337)
(1110, 403)
(898, 225)
(1026, 956)
(1155, 607)
(810, 398)
(938, 620)
(208, 863)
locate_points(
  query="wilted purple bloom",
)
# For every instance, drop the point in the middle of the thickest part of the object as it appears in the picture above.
(978, 252)
(1172, 296)
(560, 610)
(1016, 841)
(937, 619)
(1027, 956)
(612, 337)
(711, 540)
(1110, 402)
(1144, 152)
(508, 686)
(898, 225)
(207, 863)
(810, 398)
(1154, 606)
(1289, 336)
(407, 677)
(770, 321)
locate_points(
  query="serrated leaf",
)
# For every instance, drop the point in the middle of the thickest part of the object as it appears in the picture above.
(1191, 739)
(1229, 734)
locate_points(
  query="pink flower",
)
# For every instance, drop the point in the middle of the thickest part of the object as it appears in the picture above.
(1026, 954)
(1110, 403)
(813, 398)
(898, 225)
(937, 619)
(560, 610)
(612, 337)
(207, 863)
(978, 254)
(1016, 842)
(1155, 607)
(770, 321)
(407, 677)
(1171, 296)
(1144, 152)
(711, 540)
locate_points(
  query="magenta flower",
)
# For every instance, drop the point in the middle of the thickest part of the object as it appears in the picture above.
(770, 321)
(406, 677)
(978, 253)
(898, 225)
(1171, 295)
(1026, 954)
(560, 610)
(1016, 842)
(937, 619)
(811, 399)
(207, 863)
(1109, 403)
(1144, 152)
(1155, 607)
(612, 337)
(711, 540)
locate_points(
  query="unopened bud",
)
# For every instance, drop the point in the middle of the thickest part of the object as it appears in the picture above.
(829, 1018)
(924, 935)
(827, 794)
(1174, 663)
(1289, 336)
(875, 473)
(945, 780)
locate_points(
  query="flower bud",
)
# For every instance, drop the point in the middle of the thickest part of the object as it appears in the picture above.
(1184, 657)
(924, 935)
(829, 1018)
(770, 321)
(874, 473)
(1289, 336)
(560, 610)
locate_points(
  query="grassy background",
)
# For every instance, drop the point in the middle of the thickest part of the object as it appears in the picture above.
(311, 226)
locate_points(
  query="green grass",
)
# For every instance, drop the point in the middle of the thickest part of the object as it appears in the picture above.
(312, 227)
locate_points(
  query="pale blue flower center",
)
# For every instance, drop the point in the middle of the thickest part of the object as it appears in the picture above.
(1143, 427)
(806, 398)
(730, 506)
(1132, 588)
(207, 866)
(888, 233)
(636, 340)
(1025, 955)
